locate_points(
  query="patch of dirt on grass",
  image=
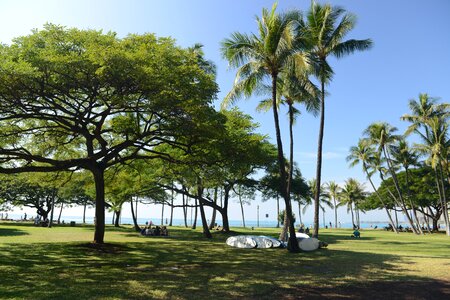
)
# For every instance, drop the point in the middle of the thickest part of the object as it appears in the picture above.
(407, 290)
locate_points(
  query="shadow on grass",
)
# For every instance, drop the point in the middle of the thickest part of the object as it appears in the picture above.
(12, 232)
(186, 266)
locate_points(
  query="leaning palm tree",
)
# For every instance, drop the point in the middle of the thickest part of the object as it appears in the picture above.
(263, 57)
(327, 27)
(406, 157)
(382, 135)
(364, 154)
(333, 189)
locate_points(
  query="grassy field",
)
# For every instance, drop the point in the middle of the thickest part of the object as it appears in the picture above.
(59, 263)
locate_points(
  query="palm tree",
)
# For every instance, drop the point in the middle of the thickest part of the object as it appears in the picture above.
(327, 27)
(432, 117)
(382, 135)
(352, 193)
(365, 154)
(261, 57)
(294, 86)
(333, 189)
(436, 147)
(406, 157)
(323, 198)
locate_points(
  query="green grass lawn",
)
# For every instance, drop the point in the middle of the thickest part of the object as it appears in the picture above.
(57, 263)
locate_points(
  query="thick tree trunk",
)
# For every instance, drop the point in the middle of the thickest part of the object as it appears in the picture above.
(50, 223)
(224, 212)
(99, 180)
(118, 212)
(292, 243)
(284, 230)
(136, 225)
(319, 161)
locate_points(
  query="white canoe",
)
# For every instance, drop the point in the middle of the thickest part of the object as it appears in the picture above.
(241, 241)
(309, 244)
(301, 235)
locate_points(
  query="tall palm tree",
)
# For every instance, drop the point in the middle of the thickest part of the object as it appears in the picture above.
(327, 27)
(364, 154)
(261, 57)
(382, 135)
(294, 87)
(333, 189)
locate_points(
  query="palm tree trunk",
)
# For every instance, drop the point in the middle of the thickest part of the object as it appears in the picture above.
(214, 213)
(413, 209)
(60, 213)
(84, 213)
(194, 224)
(353, 218)
(242, 208)
(206, 231)
(53, 209)
(278, 211)
(162, 214)
(443, 200)
(185, 210)
(335, 213)
(171, 208)
(381, 200)
(292, 243)
(319, 161)
(399, 192)
(396, 218)
(136, 226)
(300, 213)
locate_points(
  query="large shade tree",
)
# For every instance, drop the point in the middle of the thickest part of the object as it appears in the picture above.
(72, 99)
(327, 27)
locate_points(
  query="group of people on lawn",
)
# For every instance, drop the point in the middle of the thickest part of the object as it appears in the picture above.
(149, 230)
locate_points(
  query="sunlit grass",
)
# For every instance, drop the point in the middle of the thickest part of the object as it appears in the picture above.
(37, 263)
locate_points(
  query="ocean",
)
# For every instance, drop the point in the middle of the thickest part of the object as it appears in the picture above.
(233, 223)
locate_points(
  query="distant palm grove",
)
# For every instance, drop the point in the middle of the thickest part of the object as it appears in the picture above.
(93, 120)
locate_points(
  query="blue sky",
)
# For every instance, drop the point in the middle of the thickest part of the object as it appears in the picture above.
(411, 55)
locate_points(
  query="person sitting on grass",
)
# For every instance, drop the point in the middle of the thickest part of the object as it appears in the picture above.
(356, 234)
(307, 230)
(164, 231)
